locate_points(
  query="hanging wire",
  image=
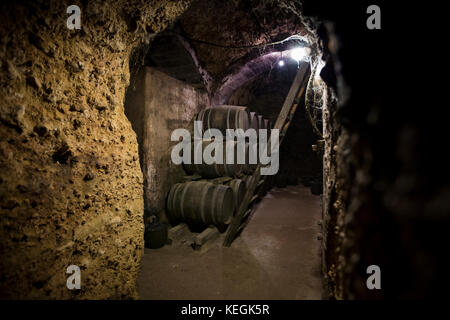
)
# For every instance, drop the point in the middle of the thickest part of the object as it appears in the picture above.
(293, 37)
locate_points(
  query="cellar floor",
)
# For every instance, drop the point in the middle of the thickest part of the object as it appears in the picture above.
(277, 256)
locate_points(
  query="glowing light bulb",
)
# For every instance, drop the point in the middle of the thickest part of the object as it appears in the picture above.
(298, 54)
(281, 63)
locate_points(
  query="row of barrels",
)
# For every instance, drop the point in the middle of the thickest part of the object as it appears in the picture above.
(208, 201)
(225, 117)
(240, 164)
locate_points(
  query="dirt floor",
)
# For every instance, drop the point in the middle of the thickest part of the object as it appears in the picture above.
(277, 256)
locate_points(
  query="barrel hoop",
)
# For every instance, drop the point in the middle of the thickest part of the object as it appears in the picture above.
(228, 119)
(177, 187)
(169, 198)
(235, 186)
(213, 200)
(202, 203)
(182, 198)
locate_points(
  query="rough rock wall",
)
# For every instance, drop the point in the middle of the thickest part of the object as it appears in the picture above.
(332, 201)
(70, 180)
(387, 203)
(159, 105)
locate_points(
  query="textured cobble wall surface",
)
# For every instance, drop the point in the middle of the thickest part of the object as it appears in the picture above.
(70, 181)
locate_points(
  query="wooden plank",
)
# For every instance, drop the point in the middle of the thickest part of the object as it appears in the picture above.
(236, 222)
(208, 234)
(244, 224)
(295, 92)
(247, 213)
(254, 198)
(299, 81)
(221, 180)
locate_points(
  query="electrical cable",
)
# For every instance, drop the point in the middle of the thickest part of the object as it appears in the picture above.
(294, 37)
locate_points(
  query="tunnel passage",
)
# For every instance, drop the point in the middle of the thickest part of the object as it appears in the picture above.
(83, 149)
(259, 249)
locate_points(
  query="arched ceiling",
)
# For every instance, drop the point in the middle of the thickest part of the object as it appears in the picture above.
(168, 54)
(220, 37)
(235, 23)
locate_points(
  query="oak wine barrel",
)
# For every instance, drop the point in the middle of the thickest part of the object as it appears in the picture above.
(239, 188)
(200, 201)
(215, 170)
(224, 117)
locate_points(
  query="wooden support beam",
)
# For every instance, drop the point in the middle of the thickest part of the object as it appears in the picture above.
(208, 234)
(254, 198)
(176, 233)
(221, 180)
(247, 213)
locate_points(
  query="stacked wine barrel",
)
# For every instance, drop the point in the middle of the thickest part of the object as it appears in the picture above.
(211, 200)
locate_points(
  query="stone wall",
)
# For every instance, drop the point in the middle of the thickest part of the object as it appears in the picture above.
(158, 105)
(70, 180)
(386, 182)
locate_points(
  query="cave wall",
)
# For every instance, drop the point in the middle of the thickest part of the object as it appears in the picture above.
(157, 106)
(70, 179)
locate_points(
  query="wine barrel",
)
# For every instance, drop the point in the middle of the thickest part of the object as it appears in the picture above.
(224, 117)
(199, 201)
(155, 235)
(269, 128)
(215, 170)
(239, 188)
